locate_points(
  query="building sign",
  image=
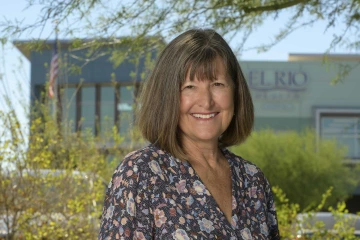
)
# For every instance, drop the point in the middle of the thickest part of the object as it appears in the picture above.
(277, 84)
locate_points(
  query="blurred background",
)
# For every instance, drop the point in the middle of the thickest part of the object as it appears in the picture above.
(71, 71)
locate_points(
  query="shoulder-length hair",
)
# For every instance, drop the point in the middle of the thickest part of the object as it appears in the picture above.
(193, 52)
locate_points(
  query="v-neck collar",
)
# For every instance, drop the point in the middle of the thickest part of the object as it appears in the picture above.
(212, 202)
(250, 215)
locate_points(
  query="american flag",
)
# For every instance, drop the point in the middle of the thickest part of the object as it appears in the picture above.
(54, 68)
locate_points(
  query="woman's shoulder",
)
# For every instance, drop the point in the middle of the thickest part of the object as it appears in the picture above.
(247, 168)
(138, 157)
(147, 160)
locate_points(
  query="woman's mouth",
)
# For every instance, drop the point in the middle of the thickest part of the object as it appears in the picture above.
(204, 116)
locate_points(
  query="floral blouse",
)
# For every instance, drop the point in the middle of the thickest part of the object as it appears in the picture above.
(153, 195)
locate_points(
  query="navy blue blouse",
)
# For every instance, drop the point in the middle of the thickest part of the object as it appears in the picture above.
(153, 195)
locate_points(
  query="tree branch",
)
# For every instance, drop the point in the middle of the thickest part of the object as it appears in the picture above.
(275, 6)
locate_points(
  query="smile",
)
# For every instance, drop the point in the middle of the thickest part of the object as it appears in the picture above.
(204, 116)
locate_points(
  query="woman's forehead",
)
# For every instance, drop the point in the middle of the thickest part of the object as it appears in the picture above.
(211, 70)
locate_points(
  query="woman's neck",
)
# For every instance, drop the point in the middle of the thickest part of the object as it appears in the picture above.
(206, 154)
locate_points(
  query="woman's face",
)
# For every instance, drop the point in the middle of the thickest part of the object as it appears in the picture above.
(206, 107)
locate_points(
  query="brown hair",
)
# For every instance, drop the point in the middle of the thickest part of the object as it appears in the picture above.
(193, 51)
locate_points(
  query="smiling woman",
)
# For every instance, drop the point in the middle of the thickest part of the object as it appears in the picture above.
(206, 105)
(186, 184)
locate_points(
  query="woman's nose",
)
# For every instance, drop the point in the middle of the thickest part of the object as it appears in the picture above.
(205, 98)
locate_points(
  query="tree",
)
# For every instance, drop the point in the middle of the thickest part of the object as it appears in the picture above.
(98, 19)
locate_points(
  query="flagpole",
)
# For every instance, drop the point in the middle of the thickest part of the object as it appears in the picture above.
(56, 99)
(54, 70)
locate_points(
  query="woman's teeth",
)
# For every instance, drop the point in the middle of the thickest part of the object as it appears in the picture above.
(204, 116)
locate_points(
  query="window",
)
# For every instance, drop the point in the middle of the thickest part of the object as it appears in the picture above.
(88, 109)
(107, 109)
(125, 109)
(343, 126)
(99, 107)
(68, 103)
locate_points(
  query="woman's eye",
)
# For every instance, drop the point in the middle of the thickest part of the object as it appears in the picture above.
(217, 84)
(189, 87)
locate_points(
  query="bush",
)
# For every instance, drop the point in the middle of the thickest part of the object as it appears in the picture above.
(52, 182)
(335, 224)
(301, 166)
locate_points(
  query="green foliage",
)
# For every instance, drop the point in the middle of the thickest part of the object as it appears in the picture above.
(301, 165)
(52, 183)
(343, 70)
(296, 225)
(286, 213)
(108, 24)
(3, 41)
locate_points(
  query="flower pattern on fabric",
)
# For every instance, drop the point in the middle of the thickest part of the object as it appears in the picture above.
(139, 236)
(246, 234)
(199, 187)
(181, 186)
(109, 212)
(251, 169)
(155, 168)
(153, 195)
(180, 234)
(264, 229)
(130, 206)
(160, 218)
(206, 225)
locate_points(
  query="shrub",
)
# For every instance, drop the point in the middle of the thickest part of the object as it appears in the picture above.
(336, 224)
(54, 187)
(301, 166)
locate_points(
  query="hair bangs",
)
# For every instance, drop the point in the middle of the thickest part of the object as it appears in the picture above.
(202, 65)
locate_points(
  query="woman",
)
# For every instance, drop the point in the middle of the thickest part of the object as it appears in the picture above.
(186, 184)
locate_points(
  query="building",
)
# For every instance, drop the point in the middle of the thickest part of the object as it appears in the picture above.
(92, 95)
(291, 95)
(299, 94)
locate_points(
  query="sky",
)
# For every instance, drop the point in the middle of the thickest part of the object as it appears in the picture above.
(15, 68)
